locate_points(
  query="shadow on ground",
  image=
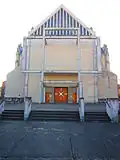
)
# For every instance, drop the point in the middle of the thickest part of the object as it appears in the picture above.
(59, 140)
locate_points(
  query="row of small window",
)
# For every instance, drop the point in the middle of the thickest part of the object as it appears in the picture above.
(64, 33)
(61, 32)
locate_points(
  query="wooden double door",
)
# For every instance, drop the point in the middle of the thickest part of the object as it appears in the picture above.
(61, 95)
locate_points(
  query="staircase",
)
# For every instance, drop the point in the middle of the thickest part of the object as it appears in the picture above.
(96, 116)
(12, 115)
(54, 115)
(68, 116)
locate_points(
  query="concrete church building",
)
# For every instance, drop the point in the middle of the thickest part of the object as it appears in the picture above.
(62, 59)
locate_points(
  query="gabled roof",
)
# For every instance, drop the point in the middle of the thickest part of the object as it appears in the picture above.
(62, 18)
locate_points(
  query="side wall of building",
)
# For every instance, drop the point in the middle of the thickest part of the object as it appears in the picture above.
(107, 86)
(34, 87)
(15, 84)
(88, 88)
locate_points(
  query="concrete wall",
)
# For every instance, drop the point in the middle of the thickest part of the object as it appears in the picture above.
(15, 84)
(35, 55)
(60, 77)
(61, 55)
(107, 86)
(88, 83)
(105, 63)
(88, 88)
(34, 87)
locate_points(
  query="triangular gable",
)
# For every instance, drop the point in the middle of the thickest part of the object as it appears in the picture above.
(61, 18)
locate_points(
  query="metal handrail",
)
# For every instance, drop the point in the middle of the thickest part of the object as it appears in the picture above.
(2, 102)
(28, 106)
(113, 115)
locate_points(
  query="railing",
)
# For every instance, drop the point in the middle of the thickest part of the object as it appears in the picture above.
(81, 109)
(106, 99)
(112, 109)
(14, 100)
(28, 107)
(2, 102)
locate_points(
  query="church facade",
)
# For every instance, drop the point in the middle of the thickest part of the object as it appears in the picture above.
(62, 60)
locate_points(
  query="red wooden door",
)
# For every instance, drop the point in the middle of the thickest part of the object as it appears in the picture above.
(60, 95)
(47, 97)
(74, 97)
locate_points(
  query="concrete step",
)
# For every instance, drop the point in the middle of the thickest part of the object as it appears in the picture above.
(68, 115)
(54, 115)
(12, 118)
(96, 116)
(12, 115)
(53, 119)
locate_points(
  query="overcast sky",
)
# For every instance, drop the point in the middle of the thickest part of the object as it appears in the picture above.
(18, 16)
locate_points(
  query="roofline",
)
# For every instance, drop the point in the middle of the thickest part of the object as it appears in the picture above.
(61, 37)
(77, 19)
(61, 6)
(44, 21)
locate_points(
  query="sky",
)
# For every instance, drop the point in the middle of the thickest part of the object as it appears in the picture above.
(18, 16)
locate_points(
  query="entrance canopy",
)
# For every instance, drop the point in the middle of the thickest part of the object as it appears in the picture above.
(60, 83)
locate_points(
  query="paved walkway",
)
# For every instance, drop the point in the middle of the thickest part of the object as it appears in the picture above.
(58, 107)
(59, 141)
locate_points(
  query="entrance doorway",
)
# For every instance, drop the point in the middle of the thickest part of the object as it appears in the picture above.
(61, 95)
(47, 97)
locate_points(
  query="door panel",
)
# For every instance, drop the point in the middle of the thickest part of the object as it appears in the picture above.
(74, 97)
(61, 95)
(47, 97)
